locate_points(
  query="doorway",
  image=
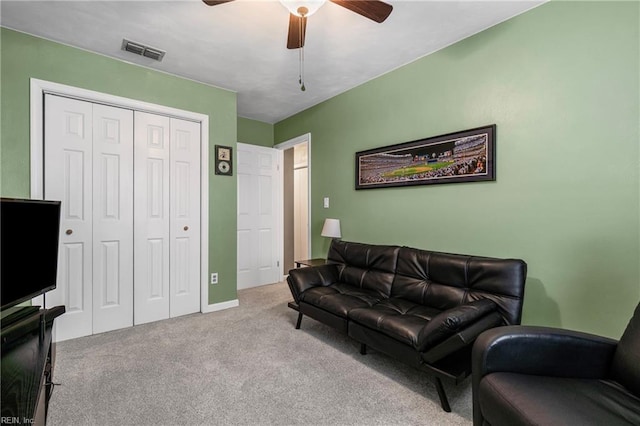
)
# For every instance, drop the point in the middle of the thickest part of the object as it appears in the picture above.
(296, 200)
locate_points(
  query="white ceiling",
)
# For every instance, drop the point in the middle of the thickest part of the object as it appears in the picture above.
(241, 46)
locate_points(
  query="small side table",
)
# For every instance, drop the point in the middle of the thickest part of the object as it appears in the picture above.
(310, 262)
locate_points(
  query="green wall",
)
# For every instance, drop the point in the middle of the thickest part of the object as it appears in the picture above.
(24, 57)
(561, 83)
(255, 132)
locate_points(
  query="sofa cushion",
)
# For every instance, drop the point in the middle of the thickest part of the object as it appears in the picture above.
(426, 277)
(397, 318)
(626, 360)
(445, 280)
(417, 325)
(340, 298)
(366, 266)
(517, 399)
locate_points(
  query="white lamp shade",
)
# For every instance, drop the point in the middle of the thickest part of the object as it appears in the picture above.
(331, 228)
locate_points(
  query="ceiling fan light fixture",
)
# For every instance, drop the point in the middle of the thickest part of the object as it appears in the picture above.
(303, 8)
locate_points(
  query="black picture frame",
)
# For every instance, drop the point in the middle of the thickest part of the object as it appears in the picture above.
(465, 156)
(224, 160)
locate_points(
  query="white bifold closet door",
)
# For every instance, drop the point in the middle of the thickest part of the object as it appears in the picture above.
(167, 217)
(89, 167)
(129, 183)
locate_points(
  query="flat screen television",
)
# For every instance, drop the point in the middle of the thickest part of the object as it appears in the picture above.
(29, 237)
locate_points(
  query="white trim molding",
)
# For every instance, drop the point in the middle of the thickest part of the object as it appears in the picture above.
(220, 306)
(295, 141)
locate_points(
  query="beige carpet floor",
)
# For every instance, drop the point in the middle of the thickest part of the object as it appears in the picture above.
(242, 366)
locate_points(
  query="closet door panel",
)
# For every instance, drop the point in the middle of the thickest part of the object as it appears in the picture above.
(151, 217)
(68, 178)
(112, 218)
(185, 217)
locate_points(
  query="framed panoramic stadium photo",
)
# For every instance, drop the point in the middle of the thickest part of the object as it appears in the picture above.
(466, 156)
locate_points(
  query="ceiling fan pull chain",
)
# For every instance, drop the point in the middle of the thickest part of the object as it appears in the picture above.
(302, 69)
(301, 50)
(300, 66)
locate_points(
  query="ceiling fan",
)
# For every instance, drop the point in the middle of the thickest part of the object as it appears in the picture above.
(375, 10)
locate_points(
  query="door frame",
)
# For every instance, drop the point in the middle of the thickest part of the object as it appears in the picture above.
(38, 88)
(283, 147)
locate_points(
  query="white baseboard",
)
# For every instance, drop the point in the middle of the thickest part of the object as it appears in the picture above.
(245, 287)
(221, 306)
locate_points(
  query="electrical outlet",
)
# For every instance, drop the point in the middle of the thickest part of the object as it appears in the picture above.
(214, 278)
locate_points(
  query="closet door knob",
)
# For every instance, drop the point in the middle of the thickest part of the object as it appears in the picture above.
(186, 228)
(68, 232)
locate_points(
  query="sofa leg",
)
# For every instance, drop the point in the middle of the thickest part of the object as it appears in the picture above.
(444, 402)
(299, 320)
(363, 349)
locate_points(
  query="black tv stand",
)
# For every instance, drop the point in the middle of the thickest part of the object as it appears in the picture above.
(28, 358)
(16, 313)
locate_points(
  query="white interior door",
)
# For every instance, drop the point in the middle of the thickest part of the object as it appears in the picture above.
(68, 178)
(259, 215)
(112, 218)
(184, 261)
(151, 217)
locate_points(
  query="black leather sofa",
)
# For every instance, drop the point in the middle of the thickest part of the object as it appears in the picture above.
(549, 376)
(422, 307)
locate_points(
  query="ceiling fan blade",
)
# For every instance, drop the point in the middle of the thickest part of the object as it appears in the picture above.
(375, 10)
(297, 31)
(215, 2)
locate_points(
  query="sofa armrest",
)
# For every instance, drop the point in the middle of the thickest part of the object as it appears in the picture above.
(302, 279)
(448, 323)
(462, 338)
(542, 351)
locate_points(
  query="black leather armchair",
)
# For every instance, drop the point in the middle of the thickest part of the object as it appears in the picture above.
(524, 375)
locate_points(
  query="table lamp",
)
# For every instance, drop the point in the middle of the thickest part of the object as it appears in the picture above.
(331, 228)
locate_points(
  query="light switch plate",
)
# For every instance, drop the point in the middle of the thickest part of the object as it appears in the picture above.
(326, 202)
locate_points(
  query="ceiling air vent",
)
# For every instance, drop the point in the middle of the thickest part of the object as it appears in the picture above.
(142, 50)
